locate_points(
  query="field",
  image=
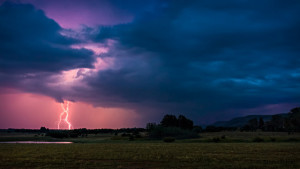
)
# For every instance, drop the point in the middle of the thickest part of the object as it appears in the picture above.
(102, 152)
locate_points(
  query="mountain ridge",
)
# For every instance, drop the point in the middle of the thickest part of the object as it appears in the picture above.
(242, 121)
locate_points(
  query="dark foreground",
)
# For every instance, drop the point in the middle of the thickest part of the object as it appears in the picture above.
(151, 155)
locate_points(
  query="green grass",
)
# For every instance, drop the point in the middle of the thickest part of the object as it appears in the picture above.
(230, 137)
(151, 155)
(235, 150)
(247, 137)
(92, 138)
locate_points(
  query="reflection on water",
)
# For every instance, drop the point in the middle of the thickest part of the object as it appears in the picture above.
(36, 142)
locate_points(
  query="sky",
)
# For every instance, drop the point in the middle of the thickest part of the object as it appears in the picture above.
(126, 63)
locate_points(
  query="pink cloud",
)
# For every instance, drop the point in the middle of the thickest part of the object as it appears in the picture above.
(27, 110)
(73, 13)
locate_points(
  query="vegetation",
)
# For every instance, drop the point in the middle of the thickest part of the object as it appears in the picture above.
(159, 132)
(182, 122)
(290, 124)
(169, 139)
(151, 155)
(258, 139)
(171, 126)
(174, 143)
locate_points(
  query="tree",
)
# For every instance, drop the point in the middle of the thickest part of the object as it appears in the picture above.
(185, 123)
(269, 126)
(261, 123)
(294, 118)
(288, 125)
(150, 126)
(211, 128)
(169, 121)
(159, 132)
(278, 122)
(44, 129)
(253, 124)
(197, 129)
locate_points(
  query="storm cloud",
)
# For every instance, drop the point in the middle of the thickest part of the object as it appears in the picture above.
(205, 59)
(32, 43)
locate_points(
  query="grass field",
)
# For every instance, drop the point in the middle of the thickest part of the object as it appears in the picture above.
(151, 155)
(225, 137)
(101, 151)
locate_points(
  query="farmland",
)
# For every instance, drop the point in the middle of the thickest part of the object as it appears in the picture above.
(239, 151)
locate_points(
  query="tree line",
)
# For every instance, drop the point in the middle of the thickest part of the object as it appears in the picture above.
(181, 127)
(173, 127)
(290, 124)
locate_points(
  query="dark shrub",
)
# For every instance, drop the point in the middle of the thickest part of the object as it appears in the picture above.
(213, 129)
(216, 139)
(185, 123)
(117, 138)
(197, 129)
(125, 135)
(169, 121)
(58, 134)
(223, 137)
(156, 132)
(44, 130)
(73, 135)
(273, 139)
(137, 136)
(258, 139)
(293, 139)
(161, 132)
(169, 139)
(131, 138)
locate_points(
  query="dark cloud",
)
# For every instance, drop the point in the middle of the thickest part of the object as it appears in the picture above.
(205, 57)
(201, 58)
(32, 43)
(75, 13)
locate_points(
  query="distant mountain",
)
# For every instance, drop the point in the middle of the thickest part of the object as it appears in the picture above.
(241, 121)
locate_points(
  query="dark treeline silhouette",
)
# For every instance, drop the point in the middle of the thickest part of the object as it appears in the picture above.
(83, 132)
(182, 122)
(172, 127)
(279, 123)
(20, 130)
(290, 123)
(212, 128)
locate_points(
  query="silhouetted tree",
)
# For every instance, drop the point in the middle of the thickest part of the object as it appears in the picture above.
(197, 129)
(211, 128)
(170, 126)
(185, 123)
(150, 126)
(269, 126)
(159, 132)
(277, 122)
(58, 134)
(169, 121)
(44, 130)
(288, 125)
(253, 124)
(294, 119)
(261, 123)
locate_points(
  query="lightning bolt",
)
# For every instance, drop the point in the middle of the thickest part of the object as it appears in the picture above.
(66, 113)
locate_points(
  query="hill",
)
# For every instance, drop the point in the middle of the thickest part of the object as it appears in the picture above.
(241, 121)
